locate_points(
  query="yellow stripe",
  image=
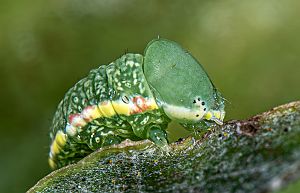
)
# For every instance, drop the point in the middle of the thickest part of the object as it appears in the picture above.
(95, 114)
(121, 108)
(55, 149)
(90, 113)
(106, 109)
(51, 163)
(58, 143)
(110, 108)
(61, 138)
(208, 115)
(217, 114)
(153, 104)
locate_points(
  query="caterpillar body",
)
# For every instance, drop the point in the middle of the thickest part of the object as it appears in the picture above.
(134, 97)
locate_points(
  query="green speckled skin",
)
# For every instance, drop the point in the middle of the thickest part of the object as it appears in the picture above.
(135, 98)
(107, 83)
(122, 81)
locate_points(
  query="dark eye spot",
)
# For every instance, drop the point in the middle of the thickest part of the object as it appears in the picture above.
(204, 109)
(199, 99)
(197, 115)
(194, 101)
(203, 103)
(125, 99)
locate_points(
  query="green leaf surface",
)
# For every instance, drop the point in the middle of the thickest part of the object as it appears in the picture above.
(261, 154)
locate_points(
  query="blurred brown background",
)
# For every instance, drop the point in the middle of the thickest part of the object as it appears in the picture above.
(250, 49)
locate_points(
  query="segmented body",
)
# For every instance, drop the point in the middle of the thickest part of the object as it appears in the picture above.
(113, 103)
(134, 97)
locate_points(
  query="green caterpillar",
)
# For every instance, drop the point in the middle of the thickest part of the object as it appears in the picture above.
(134, 97)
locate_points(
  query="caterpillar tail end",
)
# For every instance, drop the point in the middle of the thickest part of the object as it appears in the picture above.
(52, 164)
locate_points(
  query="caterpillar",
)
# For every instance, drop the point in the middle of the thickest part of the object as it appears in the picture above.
(135, 97)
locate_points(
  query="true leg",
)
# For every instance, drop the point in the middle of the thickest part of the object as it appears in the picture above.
(159, 137)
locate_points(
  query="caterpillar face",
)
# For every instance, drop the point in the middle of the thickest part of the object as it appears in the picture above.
(199, 112)
(209, 114)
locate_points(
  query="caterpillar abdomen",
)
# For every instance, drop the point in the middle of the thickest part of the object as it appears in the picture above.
(102, 109)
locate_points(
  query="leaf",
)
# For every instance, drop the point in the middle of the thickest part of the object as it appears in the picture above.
(261, 154)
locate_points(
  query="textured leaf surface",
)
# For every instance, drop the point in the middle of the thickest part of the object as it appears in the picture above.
(261, 154)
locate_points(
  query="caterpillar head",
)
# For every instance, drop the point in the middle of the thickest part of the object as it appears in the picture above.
(182, 87)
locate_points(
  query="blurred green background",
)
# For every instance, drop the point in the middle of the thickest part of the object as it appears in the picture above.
(250, 49)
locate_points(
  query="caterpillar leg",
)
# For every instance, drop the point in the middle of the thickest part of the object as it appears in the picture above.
(159, 137)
